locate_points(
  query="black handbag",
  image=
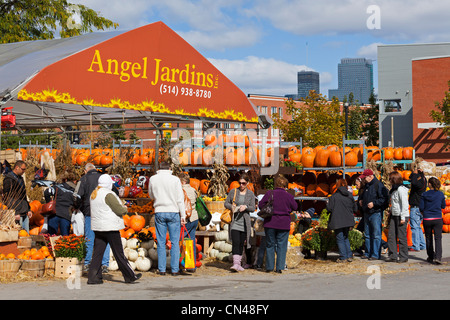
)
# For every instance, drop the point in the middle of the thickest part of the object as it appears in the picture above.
(267, 211)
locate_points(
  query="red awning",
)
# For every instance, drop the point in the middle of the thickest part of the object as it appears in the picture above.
(151, 69)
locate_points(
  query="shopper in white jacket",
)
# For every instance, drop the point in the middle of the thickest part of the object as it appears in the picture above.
(398, 219)
(106, 221)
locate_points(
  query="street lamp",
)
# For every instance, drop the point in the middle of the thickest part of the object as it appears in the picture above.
(346, 119)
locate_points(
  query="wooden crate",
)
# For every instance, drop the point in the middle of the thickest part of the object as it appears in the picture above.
(66, 267)
(9, 235)
(10, 155)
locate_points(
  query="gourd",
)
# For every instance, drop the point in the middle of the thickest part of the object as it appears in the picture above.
(143, 264)
(131, 254)
(147, 244)
(153, 254)
(133, 243)
(113, 266)
(142, 252)
(221, 235)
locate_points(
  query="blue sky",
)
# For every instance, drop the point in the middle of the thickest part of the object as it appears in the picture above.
(260, 45)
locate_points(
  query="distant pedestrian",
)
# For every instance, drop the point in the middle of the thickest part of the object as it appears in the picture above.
(398, 219)
(15, 194)
(276, 228)
(375, 200)
(418, 187)
(431, 205)
(342, 207)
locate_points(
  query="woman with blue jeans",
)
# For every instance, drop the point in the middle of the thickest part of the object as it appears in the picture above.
(342, 207)
(276, 228)
(418, 187)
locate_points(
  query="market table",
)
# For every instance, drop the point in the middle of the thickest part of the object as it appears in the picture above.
(206, 235)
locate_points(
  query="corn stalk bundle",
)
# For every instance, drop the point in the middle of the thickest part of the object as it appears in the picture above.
(218, 177)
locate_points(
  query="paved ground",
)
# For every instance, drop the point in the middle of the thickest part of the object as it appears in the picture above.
(312, 280)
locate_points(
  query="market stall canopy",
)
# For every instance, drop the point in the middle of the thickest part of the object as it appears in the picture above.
(144, 72)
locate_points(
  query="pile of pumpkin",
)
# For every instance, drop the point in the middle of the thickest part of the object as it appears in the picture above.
(203, 185)
(29, 254)
(446, 217)
(332, 155)
(232, 149)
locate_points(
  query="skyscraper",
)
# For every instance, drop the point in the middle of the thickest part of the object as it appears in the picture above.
(354, 75)
(307, 80)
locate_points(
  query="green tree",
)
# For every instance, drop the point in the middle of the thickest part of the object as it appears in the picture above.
(442, 114)
(23, 20)
(317, 122)
(371, 126)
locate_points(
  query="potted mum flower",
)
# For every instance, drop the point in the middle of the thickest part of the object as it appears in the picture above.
(70, 252)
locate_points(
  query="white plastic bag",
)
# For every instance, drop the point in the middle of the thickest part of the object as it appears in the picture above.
(78, 223)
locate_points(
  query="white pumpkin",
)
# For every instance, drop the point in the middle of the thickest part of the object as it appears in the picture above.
(221, 235)
(132, 265)
(124, 242)
(133, 243)
(132, 255)
(113, 266)
(143, 264)
(142, 252)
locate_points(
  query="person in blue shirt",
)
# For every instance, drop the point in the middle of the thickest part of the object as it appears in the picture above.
(431, 205)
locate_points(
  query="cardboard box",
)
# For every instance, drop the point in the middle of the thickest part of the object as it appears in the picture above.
(10, 155)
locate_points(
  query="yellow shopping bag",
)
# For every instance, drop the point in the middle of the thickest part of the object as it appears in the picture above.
(187, 259)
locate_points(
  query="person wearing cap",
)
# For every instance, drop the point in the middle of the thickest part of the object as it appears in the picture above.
(375, 200)
(106, 222)
(418, 187)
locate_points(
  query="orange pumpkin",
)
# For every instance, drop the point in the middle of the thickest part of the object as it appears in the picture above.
(37, 256)
(407, 153)
(351, 159)
(35, 206)
(204, 184)
(308, 157)
(321, 158)
(296, 157)
(23, 233)
(106, 160)
(81, 159)
(446, 218)
(446, 228)
(126, 220)
(406, 174)
(194, 183)
(207, 156)
(311, 189)
(210, 140)
(398, 153)
(322, 190)
(137, 222)
(388, 153)
(335, 158)
(233, 185)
